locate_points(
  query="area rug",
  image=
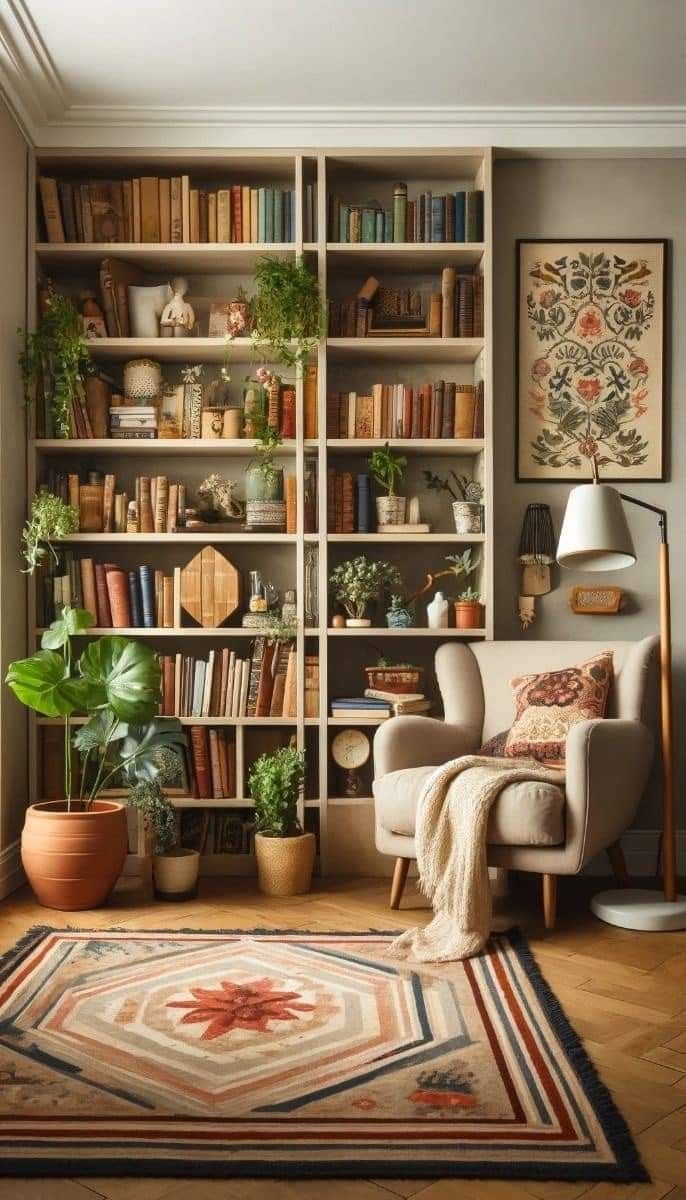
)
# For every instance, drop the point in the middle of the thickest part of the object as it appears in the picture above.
(223, 1054)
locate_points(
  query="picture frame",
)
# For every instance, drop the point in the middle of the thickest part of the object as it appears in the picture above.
(590, 359)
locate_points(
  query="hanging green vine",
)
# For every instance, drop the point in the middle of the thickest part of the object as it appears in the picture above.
(55, 356)
(287, 311)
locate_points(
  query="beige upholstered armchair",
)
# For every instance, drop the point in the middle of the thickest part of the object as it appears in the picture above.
(532, 826)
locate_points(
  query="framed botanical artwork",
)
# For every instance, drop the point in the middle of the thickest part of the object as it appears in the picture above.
(590, 359)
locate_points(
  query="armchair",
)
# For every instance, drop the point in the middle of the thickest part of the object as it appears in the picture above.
(552, 830)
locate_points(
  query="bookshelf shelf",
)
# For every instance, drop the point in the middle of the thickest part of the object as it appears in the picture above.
(405, 349)
(343, 364)
(206, 258)
(403, 256)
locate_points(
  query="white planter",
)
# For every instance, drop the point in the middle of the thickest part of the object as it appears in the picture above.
(357, 622)
(390, 510)
(176, 873)
(468, 516)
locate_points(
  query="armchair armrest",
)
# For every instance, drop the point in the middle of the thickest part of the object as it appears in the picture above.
(414, 741)
(608, 763)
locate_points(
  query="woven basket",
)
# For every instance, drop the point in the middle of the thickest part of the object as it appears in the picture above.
(401, 680)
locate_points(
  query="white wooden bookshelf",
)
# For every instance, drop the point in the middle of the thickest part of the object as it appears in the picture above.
(215, 270)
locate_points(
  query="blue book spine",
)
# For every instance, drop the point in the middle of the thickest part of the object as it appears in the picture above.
(437, 227)
(459, 216)
(343, 229)
(269, 215)
(135, 603)
(378, 227)
(368, 225)
(278, 215)
(147, 586)
(364, 504)
(261, 214)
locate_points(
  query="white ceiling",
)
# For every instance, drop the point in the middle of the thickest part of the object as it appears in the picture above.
(106, 65)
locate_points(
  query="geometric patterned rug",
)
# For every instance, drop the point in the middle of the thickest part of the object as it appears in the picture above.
(292, 1054)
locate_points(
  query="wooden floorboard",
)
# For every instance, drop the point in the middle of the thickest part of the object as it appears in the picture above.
(624, 992)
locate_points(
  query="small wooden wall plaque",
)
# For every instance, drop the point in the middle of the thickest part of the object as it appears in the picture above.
(596, 601)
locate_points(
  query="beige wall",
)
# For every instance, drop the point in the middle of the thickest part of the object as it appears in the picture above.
(13, 167)
(558, 198)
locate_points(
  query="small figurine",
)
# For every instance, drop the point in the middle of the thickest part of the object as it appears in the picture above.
(92, 320)
(220, 493)
(178, 317)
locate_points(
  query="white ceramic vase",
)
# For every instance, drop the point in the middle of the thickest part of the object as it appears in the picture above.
(437, 612)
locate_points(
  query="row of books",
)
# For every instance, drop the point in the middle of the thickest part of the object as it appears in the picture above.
(141, 598)
(442, 409)
(211, 762)
(349, 507)
(263, 684)
(456, 311)
(217, 831)
(451, 217)
(379, 705)
(151, 209)
(158, 504)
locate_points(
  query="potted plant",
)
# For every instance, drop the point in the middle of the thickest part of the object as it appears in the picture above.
(398, 614)
(50, 518)
(467, 496)
(358, 581)
(175, 868)
(56, 356)
(468, 609)
(285, 855)
(264, 488)
(73, 850)
(387, 468)
(286, 310)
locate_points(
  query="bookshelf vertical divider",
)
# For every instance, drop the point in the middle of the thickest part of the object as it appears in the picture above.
(346, 824)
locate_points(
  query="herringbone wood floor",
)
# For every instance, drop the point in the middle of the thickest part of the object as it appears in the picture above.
(624, 992)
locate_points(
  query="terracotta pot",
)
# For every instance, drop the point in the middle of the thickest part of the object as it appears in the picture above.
(284, 865)
(390, 510)
(73, 859)
(176, 873)
(467, 614)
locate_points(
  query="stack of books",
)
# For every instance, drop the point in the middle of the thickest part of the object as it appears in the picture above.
(133, 421)
(457, 310)
(360, 708)
(400, 705)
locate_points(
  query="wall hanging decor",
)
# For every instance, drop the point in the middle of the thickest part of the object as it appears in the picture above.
(598, 601)
(536, 554)
(590, 359)
(210, 588)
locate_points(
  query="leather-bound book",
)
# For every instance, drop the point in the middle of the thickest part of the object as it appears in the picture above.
(478, 422)
(146, 522)
(291, 504)
(203, 217)
(135, 599)
(98, 399)
(52, 214)
(448, 302)
(159, 583)
(165, 210)
(91, 497)
(465, 401)
(215, 767)
(175, 210)
(264, 690)
(230, 744)
(201, 760)
(364, 416)
(478, 323)
(236, 224)
(73, 490)
(167, 602)
(435, 314)
(168, 685)
(223, 215)
(172, 507)
(448, 411)
(104, 613)
(425, 426)
(279, 669)
(364, 504)
(118, 594)
(437, 409)
(161, 503)
(416, 427)
(465, 308)
(108, 504)
(88, 589)
(287, 411)
(254, 680)
(310, 401)
(223, 763)
(150, 208)
(146, 581)
(347, 502)
(273, 403)
(407, 412)
(290, 695)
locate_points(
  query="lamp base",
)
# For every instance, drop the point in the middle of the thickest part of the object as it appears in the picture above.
(640, 908)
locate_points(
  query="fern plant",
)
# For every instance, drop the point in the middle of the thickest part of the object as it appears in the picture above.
(55, 354)
(286, 309)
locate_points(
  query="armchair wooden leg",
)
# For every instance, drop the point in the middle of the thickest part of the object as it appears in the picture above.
(618, 864)
(549, 900)
(402, 866)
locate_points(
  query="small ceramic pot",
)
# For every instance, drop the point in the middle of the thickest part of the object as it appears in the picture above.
(233, 423)
(390, 510)
(212, 423)
(357, 622)
(468, 516)
(468, 614)
(398, 619)
(284, 865)
(176, 873)
(261, 486)
(73, 859)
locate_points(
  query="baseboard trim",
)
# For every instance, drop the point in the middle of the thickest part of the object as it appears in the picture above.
(640, 848)
(11, 872)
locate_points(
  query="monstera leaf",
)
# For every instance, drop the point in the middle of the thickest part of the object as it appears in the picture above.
(123, 675)
(147, 747)
(70, 623)
(42, 683)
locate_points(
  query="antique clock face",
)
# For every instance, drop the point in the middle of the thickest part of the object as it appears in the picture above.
(350, 751)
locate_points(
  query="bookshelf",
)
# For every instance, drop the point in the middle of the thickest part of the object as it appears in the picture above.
(345, 824)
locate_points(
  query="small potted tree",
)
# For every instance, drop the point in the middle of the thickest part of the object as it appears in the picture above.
(358, 581)
(387, 469)
(467, 496)
(285, 854)
(175, 868)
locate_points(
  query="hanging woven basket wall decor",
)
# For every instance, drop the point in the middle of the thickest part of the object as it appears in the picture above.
(536, 555)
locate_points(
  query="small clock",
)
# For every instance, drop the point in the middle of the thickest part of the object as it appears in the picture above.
(350, 750)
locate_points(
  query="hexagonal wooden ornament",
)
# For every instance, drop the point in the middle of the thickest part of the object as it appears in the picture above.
(210, 588)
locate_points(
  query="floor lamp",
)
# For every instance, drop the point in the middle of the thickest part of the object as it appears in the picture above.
(595, 536)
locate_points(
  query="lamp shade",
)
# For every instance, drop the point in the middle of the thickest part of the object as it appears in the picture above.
(595, 535)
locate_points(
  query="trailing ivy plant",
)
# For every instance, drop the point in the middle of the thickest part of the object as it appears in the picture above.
(275, 781)
(50, 518)
(286, 309)
(56, 355)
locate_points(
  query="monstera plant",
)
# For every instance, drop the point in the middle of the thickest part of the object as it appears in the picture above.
(115, 685)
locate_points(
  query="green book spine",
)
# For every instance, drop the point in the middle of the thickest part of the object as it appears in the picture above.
(261, 215)
(343, 233)
(399, 212)
(378, 235)
(387, 225)
(269, 215)
(278, 215)
(368, 225)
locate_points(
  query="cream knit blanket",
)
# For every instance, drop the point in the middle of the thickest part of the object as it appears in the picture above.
(450, 839)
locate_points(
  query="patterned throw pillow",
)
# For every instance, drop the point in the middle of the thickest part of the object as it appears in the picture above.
(547, 706)
(494, 747)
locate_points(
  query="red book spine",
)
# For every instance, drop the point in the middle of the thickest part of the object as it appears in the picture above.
(426, 411)
(117, 584)
(236, 223)
(407, 412)
(201, 761)
(104, 614)
(288, 412)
